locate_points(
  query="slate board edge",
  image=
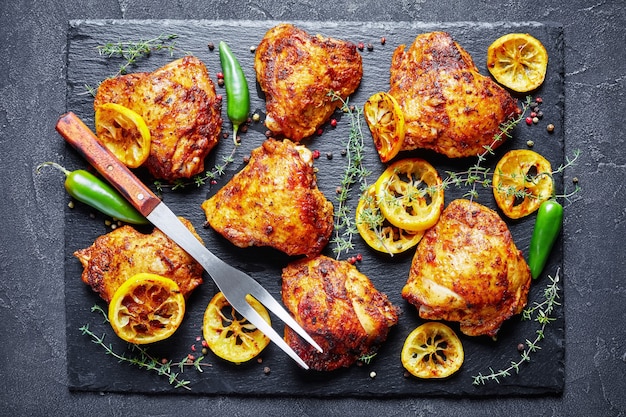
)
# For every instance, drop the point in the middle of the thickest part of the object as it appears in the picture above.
(314, 25)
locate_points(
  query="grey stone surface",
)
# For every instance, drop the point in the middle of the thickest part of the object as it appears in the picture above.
(32, 96)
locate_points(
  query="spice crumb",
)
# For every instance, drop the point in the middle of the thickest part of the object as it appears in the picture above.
(266, 370)
(372, 374)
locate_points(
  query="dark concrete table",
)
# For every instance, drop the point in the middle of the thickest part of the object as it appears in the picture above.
(32, 82)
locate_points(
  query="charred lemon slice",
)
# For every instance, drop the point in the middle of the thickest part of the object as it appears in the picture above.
(385, 120)
(410, 194)
(124, 132)
(377, 232)
(518, 61)
(522, 180)
(432, 350)
(229, 335)
(146, 308)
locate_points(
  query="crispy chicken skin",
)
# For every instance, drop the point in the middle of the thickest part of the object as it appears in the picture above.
(468, 269)
(339, 307)
(274, 201)
(179, 104)
(297, 71)
(124, 252)
(448, 106)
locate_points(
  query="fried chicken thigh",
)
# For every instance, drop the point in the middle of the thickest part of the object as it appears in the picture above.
(339, 307)
(297, 71)
(274, 201)
(448, 106)
(180, 107)
(468, 269)
(124, 252)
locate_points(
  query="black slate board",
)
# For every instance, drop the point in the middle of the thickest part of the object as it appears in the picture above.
(89, 368)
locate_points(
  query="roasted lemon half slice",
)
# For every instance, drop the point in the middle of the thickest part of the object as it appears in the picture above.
(432, 350)
(410, 194)
(385, 120)
(229, 335)
(146, 308)
(124, 132)
(522, 180)
(377, 232)
(518, 61)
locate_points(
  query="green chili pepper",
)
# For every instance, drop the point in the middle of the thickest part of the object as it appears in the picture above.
(89, 189)
(237, 93)
(547, 228)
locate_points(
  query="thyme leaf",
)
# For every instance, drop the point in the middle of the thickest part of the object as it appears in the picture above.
(134, 51)
(542, 313)
(140, 357)
(354, 174)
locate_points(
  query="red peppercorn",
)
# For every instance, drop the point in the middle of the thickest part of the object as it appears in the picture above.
(220, 75)
(361, 46)
(316, 154)
(539, 100)
(529, 120)
(333, 122)
(359, 257)
(193, 348)
(320, 131)
(533, 114)
(383, 40)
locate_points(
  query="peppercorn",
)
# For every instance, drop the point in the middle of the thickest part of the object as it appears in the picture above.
(520, 347)
(530, 143)
(529, 121)
(383, 40)
(211, 46)
(253, 48)
(360, 46)
(329, 155)
(535, 120)
(333, 122)
(550, 128)
(370, 47)
(256, 117)
(220, 82)
(539, 100)
(316, 154)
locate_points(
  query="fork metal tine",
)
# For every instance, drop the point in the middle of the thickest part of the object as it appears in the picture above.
(245, 309)
(271, 304)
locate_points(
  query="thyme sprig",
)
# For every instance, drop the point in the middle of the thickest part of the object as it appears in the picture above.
(478, 174)
(143, 359)
(199, 180)
(133, 51)
(542, 315)
(354, 174)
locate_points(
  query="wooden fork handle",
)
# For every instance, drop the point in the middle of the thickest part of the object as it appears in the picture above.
(77, 134)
